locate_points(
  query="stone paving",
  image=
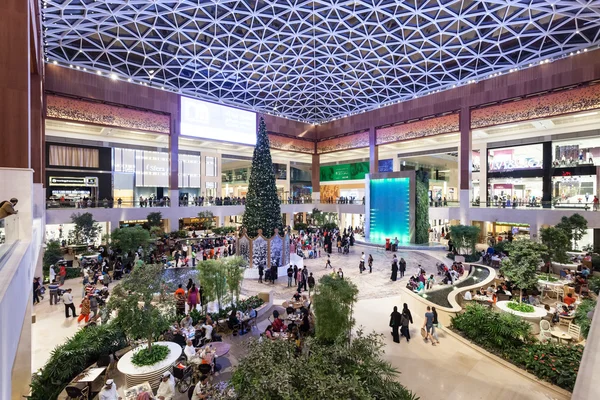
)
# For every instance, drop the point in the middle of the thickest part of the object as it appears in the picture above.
(371, 285)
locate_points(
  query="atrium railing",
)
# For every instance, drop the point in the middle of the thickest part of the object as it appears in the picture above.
(81, 204)
(535, 205)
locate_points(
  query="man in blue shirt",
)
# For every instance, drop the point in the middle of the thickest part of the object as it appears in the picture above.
(53, 288)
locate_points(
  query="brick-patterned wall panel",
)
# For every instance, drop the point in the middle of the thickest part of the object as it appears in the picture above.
(418, 129)
(355, 141)
(291, 144)
(103, 114)
(568, 101)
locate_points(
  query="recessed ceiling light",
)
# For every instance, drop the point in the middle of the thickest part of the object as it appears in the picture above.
(151, 71)
(54, 62)
(99, 72)
(129, 80)
(114, 77)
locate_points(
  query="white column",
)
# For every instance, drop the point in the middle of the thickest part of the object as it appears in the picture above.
(483, 173)
(396, 160)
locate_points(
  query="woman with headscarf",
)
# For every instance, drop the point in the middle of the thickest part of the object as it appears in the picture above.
(394, 276)
(406, 319)
(395, 320)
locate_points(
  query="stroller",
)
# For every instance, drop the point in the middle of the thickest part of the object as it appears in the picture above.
(346, 248)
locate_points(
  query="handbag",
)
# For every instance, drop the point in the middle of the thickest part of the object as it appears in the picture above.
(423, 332)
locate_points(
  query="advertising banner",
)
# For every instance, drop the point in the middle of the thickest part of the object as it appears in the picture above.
(344, 172)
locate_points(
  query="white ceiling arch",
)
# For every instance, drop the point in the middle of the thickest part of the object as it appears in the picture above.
(313, 60)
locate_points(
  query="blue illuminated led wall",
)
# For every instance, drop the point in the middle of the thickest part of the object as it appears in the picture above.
(389, 209)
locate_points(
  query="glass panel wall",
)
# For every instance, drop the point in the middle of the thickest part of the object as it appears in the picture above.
(522, 191)
(575, 152)
(515, 158)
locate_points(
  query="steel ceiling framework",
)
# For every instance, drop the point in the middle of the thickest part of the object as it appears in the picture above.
(313, 61)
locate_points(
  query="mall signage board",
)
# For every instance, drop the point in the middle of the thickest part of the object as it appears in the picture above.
(344, 172)
(87, 181)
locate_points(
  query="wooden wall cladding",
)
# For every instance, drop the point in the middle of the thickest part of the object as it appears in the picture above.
(283, 126)
(66, 108)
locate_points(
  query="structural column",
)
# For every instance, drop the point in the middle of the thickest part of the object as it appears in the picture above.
(174, 160)
(483, 170)
(316, 178)
(373, 151)
(465, 164)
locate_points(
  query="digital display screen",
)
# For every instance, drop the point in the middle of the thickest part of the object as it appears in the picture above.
(389, 210)
(213, 121)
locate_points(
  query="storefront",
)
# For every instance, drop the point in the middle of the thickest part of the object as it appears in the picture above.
(575, 152)
(571, 189)
(140, 174)
(74, 173)
(522, 189)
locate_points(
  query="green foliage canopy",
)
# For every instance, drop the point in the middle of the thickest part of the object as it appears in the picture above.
(130, 239)
(213, 275)
(574, 226)
(154, 219)
(520, 268)
(86, 228)
(557, 242)
(464, 238)
(206, 219)
(332, 302)
(324, 372)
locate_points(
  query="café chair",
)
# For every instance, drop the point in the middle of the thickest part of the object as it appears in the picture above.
(545, 330)
(575, 332)
(77, 392)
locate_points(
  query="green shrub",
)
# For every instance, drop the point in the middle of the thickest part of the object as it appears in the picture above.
(329, 226)
(71, 358)
(510, 337)
(470, 258)
(555, 363)
(521, 307)
(594, 284)
(581, 317)
(150, 355)
(492, 330)
(596, 263)
(300, 226)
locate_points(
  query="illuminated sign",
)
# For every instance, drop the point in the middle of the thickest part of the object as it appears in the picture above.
(88, 181)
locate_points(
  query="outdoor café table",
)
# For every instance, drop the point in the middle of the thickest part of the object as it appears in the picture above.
(189, 333)
(294, 317)
(479, 297)
(220, 349)
(296, 304)
(281, 335)
(560, 336)
(132, 392)
(552, 286)
(90, 376)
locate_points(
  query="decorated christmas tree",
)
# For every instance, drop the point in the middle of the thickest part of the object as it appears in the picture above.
(263, 210)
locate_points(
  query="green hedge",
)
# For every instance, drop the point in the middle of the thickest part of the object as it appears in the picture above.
(422, 208)
(581, 317)
(71, 358)
(510, 337)
(254, 302)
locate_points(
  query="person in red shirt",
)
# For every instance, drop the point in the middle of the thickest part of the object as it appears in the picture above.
(569, 299)
(63, 274)
(278, 325)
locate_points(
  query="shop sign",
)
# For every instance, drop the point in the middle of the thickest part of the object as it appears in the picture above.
(344, 172)
(89, 181)
(505, 165)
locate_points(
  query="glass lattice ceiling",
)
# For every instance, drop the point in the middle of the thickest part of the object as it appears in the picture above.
(313, 60)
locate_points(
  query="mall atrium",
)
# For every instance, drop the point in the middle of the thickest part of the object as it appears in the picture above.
(416, 120)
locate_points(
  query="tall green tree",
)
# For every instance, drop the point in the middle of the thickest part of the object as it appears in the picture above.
(520, 268)
(557, 242)
(332, 302)
(154, 219)
(574, 226)
(86, 228)
(213, 276)
(464, 238)
(139, 313)
(130, 239)
(234, 270)
(206, 219)
(263, 209)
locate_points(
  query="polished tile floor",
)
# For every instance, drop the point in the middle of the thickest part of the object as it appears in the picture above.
(451, 370)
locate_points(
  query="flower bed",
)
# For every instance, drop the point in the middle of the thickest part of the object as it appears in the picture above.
(510, 338)
(440, 296)
(521, 307)
(150, 355)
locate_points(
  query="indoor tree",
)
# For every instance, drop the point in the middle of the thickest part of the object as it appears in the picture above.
(263, 209)
(214, 281)
(234, 271)
(557, 242)
(154, 219)
(521, 267)
(139, 313)
(128, 240)
(86, 228)
(574, 226)
(52, 254)
(206, 220)
(332, 302)
(464, 238)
